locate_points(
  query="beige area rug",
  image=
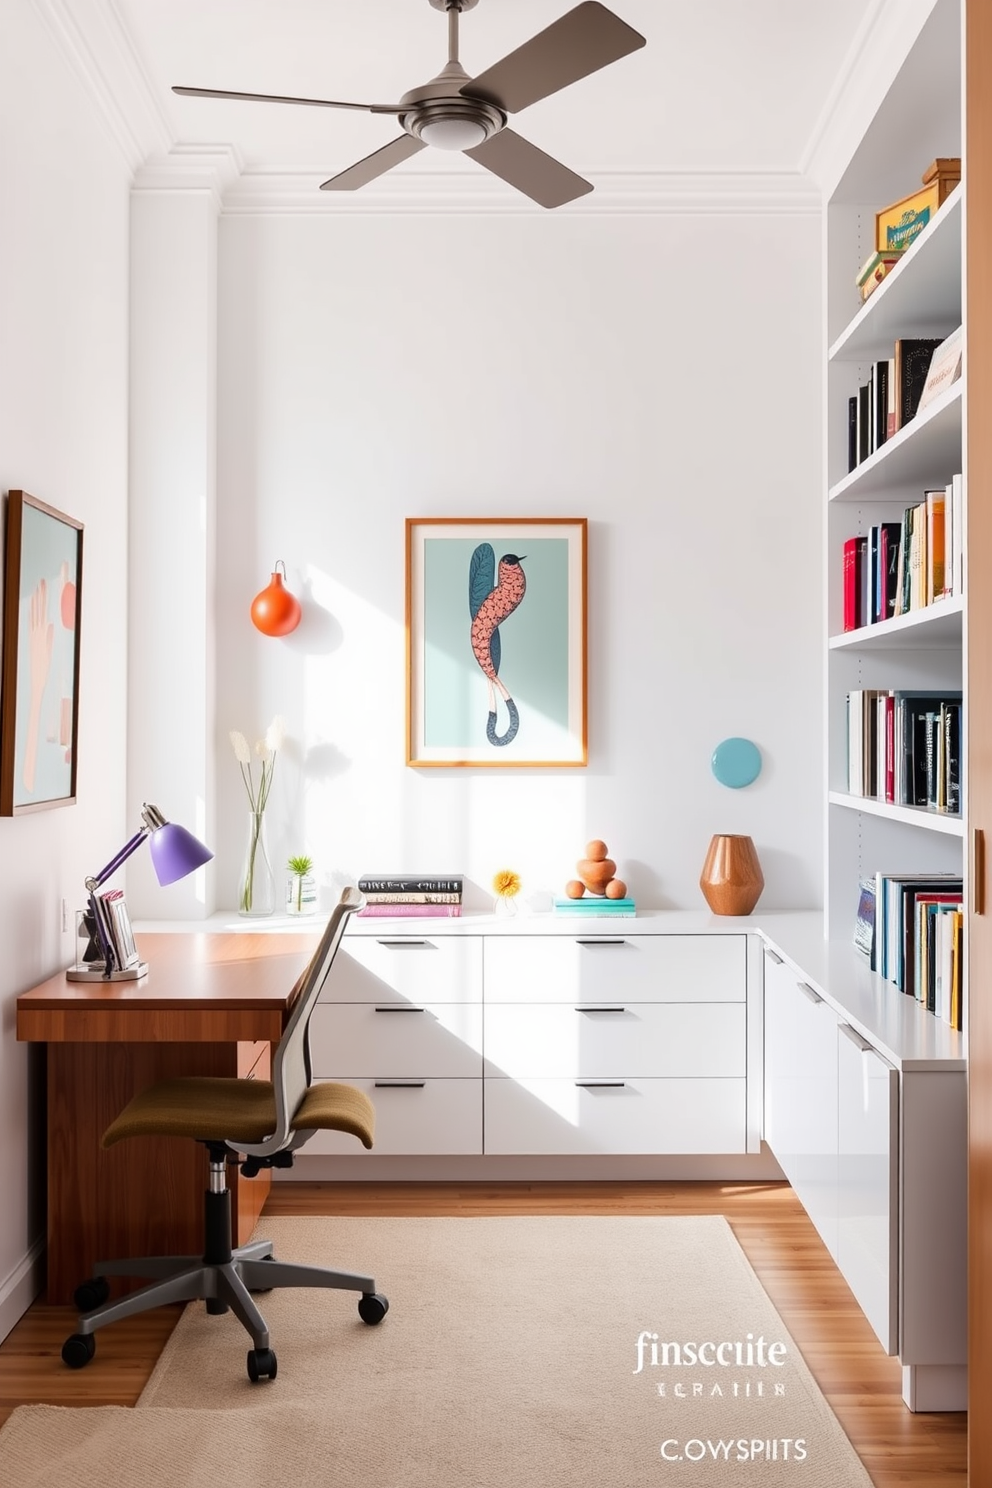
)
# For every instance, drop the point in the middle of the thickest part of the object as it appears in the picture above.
(509, 1356)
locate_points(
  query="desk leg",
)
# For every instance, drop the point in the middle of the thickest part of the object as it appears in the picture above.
(143, 1196)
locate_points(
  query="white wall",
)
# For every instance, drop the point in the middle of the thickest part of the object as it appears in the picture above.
(654, 373)
(63, 437)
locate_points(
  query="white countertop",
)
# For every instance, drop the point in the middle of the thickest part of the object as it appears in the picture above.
(900, 1029)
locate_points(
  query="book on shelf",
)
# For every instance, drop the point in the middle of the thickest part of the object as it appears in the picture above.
(912, 363)
(590, 907)
(944, 369)
(880, 404)
(412, 883)
(411, 911)
(852, 432)
(864, 922)
(864, 422)
(373, 896)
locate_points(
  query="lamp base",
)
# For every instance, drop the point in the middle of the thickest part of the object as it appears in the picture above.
(97, 974)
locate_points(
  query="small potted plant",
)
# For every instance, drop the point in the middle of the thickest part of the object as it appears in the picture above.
(301, 890)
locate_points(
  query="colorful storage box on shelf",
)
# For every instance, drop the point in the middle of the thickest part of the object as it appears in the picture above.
(875, 270)
(897, 225)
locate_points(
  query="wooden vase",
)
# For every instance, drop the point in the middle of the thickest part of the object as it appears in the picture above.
(731, 879)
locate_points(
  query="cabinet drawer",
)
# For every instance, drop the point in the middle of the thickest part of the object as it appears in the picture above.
(407, 968)
(615, 967)
(398, 1039)
(644, 1039)
(417, 1118)
(633, 1116)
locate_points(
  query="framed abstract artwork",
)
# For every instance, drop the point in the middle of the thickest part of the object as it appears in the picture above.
(496, 641)
(39, 689)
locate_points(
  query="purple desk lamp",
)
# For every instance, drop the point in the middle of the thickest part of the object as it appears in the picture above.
(175, 853)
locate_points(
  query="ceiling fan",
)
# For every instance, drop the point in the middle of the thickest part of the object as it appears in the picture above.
(455, 112)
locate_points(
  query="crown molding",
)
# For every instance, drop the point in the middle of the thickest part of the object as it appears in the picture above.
(616, 193)
(191, 168)
(884, 37)
(101, 55)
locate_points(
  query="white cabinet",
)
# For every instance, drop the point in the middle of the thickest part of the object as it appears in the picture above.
(609, 1040)
(868, 1181)
(401, 1018)
(801, 1092)
(869, 1126)
(626, 1043)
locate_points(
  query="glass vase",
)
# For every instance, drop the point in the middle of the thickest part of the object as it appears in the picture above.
(256, 886)
(301, 894)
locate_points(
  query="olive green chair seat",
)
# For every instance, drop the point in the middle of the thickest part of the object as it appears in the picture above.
(244, 1110)
(257, 1123)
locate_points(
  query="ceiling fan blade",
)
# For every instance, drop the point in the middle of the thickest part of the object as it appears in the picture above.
(581, 42)
(524, 166)
(371, 108)
(376, 164)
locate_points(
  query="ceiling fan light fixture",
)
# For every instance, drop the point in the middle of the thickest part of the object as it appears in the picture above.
(453, 123)
(453, 134)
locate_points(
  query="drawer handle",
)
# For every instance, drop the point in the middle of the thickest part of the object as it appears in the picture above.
(852, 1035)
(601, 1009)
(773, 956)
(399, 1084)
(808, 992)
(400, 1007)
(404, 945)
(601, 1084)
(600, 942)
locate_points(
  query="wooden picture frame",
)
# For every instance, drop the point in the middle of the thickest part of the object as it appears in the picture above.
(39, 687)
(496, 640)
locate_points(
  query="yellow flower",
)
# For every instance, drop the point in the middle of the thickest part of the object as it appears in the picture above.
(506, 883)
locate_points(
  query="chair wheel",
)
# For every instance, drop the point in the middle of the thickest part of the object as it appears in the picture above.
(92, 1293)
(373, 1307)
(78, 1350)
(261, 1364)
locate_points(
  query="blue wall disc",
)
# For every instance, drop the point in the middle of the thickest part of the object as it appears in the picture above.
(736, 762)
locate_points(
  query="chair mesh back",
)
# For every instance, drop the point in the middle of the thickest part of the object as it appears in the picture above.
(291, 1065)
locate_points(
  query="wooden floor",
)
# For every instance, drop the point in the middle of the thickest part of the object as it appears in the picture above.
(862, 1385)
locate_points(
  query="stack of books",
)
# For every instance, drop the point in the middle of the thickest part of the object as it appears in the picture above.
(901, 566)
(911, 927)
(904, 747)
(592, 906)
(411, 895)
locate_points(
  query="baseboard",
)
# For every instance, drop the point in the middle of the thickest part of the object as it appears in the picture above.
(20, 1288)
(365, 1168)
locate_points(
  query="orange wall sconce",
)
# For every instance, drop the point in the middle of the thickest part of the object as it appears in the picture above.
(274, 611)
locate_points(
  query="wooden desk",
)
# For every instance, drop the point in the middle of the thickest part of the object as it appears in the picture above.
(210, 1005)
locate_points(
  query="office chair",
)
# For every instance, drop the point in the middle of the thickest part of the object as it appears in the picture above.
(265, 1122)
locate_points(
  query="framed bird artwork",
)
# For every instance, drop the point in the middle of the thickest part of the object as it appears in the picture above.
(496, 641)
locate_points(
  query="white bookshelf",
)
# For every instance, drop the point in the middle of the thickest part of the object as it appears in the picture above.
(922, 296)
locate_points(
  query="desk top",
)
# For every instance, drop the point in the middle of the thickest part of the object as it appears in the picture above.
(199, 986)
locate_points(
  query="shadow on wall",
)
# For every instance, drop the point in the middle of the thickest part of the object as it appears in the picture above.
(319, 633)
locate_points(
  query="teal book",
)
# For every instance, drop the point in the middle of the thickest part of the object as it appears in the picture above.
(597, 906)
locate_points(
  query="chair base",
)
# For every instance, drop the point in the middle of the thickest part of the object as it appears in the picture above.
(222, 1277)
(190, 1278)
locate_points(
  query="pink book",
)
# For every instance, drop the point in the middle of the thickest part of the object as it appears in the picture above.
(410, 911)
